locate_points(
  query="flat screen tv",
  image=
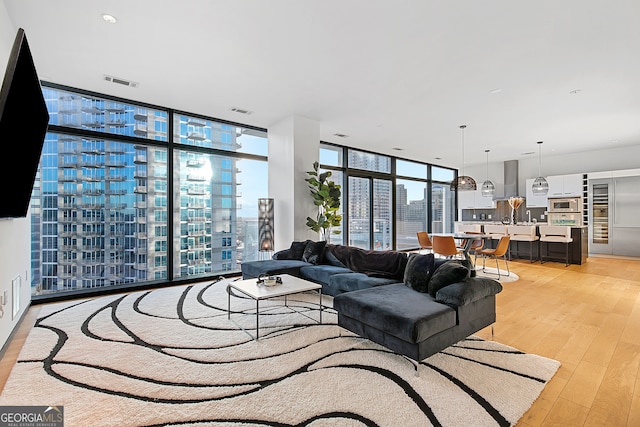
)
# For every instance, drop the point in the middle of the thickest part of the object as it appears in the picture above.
(23, 125)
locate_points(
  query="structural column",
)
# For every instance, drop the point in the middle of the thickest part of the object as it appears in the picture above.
(294, 144)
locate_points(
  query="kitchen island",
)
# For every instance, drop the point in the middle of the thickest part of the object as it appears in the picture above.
(555, 252)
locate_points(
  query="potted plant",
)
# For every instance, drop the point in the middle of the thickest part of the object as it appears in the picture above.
(326, 196)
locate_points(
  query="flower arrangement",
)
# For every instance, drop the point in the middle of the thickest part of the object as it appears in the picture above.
(515, 203)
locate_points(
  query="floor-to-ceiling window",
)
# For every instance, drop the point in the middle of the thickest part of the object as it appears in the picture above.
(132, 194)
(388, 199)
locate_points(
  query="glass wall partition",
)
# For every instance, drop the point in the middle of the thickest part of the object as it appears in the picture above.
(117, 202)
(390, 199)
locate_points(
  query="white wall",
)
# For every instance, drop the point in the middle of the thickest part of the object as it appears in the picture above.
(15, 239)
(294, 144)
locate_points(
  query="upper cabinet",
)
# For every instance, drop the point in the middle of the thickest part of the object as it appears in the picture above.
(565, 185)
(559, 186)
(474, 200)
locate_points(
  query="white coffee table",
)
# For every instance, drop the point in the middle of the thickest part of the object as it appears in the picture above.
(290, 285)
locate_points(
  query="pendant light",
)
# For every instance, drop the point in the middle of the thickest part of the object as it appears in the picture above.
(540, 186)
(488, 189)
(463, 182)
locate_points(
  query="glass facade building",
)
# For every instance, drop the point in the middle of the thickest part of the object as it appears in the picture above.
(131, 194)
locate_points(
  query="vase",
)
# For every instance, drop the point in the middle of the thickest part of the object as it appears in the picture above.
(514, 216)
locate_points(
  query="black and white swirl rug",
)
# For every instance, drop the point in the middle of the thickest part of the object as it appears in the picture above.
(171, 357)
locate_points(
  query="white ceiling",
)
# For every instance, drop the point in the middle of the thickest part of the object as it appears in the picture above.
(388, 74)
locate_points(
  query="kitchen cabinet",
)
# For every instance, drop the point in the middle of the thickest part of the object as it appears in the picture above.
(533, 200)
(565, 185)
(474, 200)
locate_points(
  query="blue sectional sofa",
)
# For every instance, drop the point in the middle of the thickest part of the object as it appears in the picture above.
(415, 305)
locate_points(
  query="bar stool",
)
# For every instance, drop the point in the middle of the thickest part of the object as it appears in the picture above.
(523, 233)
(468, 228)
(555, 233)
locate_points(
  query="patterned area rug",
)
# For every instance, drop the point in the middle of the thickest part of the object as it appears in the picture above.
(171, 357)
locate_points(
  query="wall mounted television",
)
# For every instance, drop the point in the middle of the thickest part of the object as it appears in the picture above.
(23, 125)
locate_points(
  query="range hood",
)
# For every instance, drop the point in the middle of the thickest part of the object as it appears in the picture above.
(510, 170)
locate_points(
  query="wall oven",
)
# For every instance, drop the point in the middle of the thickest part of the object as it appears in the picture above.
(565, 204)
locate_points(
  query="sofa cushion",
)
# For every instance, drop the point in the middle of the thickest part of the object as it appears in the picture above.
(347, 282)
(397, 310)
(468, 291)
(252, 269)
(418, 271)
(321, 273)
(447, 274)
(314, 252)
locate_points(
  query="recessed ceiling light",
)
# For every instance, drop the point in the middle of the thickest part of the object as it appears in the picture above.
(575, 91)
(615, 141)
(109, 18)
(528, 153)
(438, 158)
(341, 135)
(496, 90)
(397, 148)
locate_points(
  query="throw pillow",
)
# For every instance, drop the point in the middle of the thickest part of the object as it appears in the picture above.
(314, 251)
(418, 271)
(297, 249)
(447, 274)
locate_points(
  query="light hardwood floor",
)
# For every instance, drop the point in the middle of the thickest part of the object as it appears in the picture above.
(587, 317)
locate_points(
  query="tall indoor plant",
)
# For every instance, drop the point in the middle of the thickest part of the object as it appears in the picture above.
(326, 196)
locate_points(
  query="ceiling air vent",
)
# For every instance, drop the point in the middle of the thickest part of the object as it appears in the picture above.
(120, 81)
(240, 110)
(341, 135)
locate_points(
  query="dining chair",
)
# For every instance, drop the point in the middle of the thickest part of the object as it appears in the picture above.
(495, 232)
(446, 247)
(555, 233)
(500, 251)
(424, 241)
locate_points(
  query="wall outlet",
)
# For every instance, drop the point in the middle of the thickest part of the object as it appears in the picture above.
(489, 216)
(541, 216)
(474, 216)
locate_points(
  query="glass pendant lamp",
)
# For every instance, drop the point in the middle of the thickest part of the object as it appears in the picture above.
(488, 189)
(540, 186)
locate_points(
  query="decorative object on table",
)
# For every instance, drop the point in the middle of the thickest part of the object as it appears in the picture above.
(326, 196)
(488, 189)
(515, 203)
(540, 186)
(463, 182)
(266, 280)
(265, 225)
